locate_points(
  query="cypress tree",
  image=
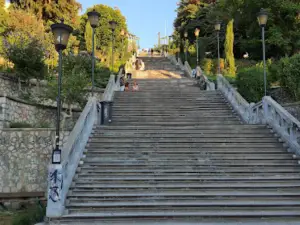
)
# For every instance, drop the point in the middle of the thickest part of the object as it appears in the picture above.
(229, 55)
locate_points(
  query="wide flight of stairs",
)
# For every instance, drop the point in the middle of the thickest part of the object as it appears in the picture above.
(158, 68)
(177, 155)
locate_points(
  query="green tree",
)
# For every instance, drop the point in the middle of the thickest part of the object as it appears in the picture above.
(50, 11)
(88, 35)
(229, 55)
(27, 54)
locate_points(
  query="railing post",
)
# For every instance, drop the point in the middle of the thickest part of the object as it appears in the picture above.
(55, 195)
(266, 109)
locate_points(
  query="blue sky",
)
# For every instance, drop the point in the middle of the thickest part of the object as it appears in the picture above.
(145, 18)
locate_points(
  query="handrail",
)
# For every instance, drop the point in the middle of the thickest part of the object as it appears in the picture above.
(286, 125)
(240, 105)
(117, 84)
(61, 175)
(188, 69)
(267, 111)
(210, 86)
(173, 59)
(180, 64)
(110, 89)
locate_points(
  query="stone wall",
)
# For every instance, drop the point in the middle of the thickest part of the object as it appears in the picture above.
(24, 157)
(9, 86)
(16, 110)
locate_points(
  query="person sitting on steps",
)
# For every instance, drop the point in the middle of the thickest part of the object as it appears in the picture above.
(135, 86)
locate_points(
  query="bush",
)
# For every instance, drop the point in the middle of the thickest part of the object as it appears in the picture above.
(20, 125)
(287, 71)
(250, 83)
(208, 66)
(27, 55)
(30, 216)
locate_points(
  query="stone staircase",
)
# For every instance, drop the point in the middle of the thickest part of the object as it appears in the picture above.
(158, 68)
(177, 155)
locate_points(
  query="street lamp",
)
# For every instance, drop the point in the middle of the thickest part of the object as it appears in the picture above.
(113, 24)
(262, 18)
(93, 17)
(185, 44)
(217, 29)
(61, 33)
(197, 31)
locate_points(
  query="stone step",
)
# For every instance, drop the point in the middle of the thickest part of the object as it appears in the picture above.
(255, 202)
(213, 163)
(136, 131)
(178, 140)
(253, 152)
(184, 128)
(180, 221)
(189, 211)
(101, 186)
(186, 155)
(182, 135)
(251, 192)
(197, 145)
(171, 123)
(213, 171)
(170, 176)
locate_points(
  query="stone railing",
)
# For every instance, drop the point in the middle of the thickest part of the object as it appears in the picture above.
(188, 69)
(173, 59)
(268, 111)
(60, 176)
(180, 64)
(239, 104)
(283, 123)
(117, 84)
(208, 85)
(110, 89)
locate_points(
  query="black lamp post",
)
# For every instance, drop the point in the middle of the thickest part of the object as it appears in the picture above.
(197, 32)
(61, 33)
(217, 29)
(185, 44)
(262, 18)
(113, 24)
(93, 17)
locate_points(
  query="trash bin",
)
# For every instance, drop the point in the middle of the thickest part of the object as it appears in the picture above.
(106, 112)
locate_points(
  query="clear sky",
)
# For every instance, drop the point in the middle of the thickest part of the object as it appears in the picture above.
(145, 18)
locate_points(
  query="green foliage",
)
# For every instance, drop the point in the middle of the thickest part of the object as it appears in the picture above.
(30, 216)
(250, 83)
(282, 30)
(50, 11)
(229, 55)
(88, 36)
(20, 125)
(26, 53)
(208, 66)
(75, 79)
(287, 71)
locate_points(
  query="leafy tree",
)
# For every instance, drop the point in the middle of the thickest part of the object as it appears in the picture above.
(50, 11)
(229, 55)
(27, 54)
(75, 80)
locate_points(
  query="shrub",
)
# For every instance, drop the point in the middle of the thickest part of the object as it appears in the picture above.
(30, 216)
(26, 53)
(20, 125)
(250, 83)
(288, 72)
(208, 66)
